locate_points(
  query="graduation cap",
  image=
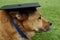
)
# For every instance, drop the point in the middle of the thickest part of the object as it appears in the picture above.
(18, 6)
(23, 8)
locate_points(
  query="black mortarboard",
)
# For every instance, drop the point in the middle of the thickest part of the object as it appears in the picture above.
(17, 6)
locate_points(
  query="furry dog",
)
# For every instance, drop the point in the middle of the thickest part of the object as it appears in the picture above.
(29, 20)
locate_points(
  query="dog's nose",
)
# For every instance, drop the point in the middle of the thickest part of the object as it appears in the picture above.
(50, 23)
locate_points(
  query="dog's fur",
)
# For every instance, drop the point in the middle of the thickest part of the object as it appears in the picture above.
(29, 21)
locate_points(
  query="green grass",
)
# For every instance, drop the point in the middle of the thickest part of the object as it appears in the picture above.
(50, 10)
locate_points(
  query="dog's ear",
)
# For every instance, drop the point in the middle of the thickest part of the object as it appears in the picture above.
(13, 14)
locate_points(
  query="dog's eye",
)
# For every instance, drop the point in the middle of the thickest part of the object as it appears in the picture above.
(39, 18)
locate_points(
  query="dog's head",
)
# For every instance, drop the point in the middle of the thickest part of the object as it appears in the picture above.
(32, 19)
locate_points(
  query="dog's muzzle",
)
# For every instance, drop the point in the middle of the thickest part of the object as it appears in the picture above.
(46, 29)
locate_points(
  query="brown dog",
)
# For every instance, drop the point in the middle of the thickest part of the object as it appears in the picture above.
(29, 22)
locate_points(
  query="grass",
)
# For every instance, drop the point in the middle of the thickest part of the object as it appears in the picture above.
(50, 10)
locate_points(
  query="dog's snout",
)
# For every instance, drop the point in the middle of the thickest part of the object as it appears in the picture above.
(50, 23)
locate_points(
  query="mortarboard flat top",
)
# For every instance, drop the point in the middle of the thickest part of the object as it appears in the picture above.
(15, 6)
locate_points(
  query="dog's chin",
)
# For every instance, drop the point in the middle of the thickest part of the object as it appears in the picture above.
(41, 30)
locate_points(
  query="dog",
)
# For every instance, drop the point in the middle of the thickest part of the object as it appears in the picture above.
(29, 20)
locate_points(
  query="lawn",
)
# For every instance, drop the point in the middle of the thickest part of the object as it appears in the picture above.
(50, 10)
